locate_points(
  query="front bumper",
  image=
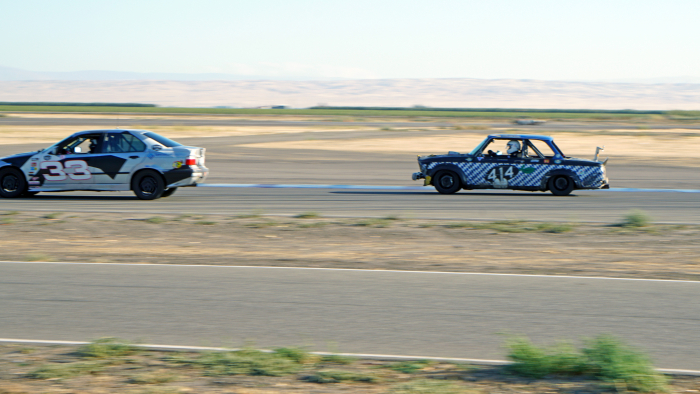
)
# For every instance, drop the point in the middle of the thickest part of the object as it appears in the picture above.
(417, 175)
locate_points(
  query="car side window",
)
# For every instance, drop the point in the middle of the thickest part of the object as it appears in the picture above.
(122, 143)
(543, 148)
(80, 145)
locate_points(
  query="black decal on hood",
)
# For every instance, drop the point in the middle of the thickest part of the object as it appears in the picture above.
(18, 160)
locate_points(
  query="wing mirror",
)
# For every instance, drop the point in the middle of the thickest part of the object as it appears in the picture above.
(77, 149)
(157, 147)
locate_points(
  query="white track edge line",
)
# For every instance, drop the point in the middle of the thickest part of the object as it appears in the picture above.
(353, 269)
(355, 355)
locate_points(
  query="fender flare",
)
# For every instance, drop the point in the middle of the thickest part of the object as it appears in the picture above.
(561, 171)
(447, 167)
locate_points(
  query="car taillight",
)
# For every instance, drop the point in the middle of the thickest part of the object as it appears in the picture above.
(191, 162)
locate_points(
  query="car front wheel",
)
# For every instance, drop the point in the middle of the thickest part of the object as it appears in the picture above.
(148, 185)
(12, 183)
(446, 182)
(561, 185)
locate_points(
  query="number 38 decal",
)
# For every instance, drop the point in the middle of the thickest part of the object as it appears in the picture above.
(502, 173)
(80, 171)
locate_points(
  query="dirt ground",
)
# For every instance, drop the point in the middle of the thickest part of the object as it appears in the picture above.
(653, 251)
(155, 372)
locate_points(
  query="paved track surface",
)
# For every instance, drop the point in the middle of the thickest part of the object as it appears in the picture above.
(441, 315)
(584, 206)
(230, 163)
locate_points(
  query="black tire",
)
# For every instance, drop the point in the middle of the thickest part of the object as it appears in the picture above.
(447, 182)
(561, 185)
(148, 185)
(12, 182)
(169, 192)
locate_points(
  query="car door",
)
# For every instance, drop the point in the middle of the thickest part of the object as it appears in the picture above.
(66, 166)
(492, 169)
(126, 152)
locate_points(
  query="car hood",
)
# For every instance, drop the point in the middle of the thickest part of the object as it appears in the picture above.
(19, 159)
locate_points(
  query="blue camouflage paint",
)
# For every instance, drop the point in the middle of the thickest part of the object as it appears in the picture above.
(590, 176)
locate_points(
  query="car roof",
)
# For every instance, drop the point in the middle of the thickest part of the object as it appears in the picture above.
(109, 130)
(522, 136)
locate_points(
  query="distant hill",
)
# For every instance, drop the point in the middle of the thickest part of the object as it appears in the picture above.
(16, 74)
(448, 92)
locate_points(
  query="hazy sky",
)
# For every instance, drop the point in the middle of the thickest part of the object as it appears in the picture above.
(538, 39)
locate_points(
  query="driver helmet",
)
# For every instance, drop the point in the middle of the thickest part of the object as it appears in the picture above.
(513, 146)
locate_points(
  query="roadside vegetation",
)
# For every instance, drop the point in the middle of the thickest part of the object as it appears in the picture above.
(605, 364)
(605, 358)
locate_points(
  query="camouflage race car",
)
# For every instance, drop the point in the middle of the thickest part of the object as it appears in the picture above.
(529, 162)
(105, 160)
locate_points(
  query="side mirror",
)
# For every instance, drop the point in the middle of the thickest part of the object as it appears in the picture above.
(77, 149)
(157, 147)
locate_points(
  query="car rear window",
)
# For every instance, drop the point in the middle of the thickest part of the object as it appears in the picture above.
(166, 142)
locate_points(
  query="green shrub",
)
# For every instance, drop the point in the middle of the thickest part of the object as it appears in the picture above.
(375, 222)
(555, 227)
(536, 362)
(63, 371)
(610, 360)
(155, 220)
(636, 219)
(335, 376)
(298, 355)
(245, 362)
(410, 366)
(308, 215)
(107, 347)
(54, 215)
(605, 358)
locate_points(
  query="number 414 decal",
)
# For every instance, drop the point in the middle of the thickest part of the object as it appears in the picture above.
(57, 170)
(502, 173)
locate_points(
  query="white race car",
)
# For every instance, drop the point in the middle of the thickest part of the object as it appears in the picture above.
(105, 160)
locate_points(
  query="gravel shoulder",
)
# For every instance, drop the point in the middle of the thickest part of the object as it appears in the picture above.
(391, 243)
(67, 370)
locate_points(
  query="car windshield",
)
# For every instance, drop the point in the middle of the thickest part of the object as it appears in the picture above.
(479, 148)
(166, 142)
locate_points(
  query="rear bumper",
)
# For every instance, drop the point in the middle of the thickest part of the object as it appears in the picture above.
(186, 176)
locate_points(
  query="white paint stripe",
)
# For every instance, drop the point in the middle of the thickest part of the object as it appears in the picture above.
(354, 355)
(354, 269)
(379, 187)
(637, 190)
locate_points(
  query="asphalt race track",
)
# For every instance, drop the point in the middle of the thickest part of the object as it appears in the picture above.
(232, 164)
(377, 312)
(584, 206)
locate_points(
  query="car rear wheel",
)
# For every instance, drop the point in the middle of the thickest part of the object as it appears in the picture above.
(148, 185)
(169, 192)
(561, 185)
(12, 183)
(446, 182)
